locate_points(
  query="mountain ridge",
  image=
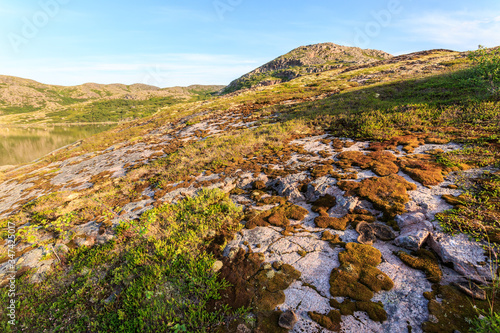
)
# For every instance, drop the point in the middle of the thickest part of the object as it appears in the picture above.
(309, 59)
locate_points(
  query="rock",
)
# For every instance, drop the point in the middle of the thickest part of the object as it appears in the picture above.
(288, 319)
(289, 186)
(464, 254)
(412, 240)
(44, 267)
(415, 230)
(84, 241)
(347, 203)
(369, 232)
(243, 329)
(104, 238)
(61, 249)
(217, 266)
(405, 220)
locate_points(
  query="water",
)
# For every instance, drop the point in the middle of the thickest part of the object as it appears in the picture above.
(23, 145)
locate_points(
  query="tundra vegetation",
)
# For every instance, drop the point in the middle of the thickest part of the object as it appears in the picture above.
(165, 270)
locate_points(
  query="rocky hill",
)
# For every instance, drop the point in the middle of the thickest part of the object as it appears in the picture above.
(23, 100)
(306, 60)
(361, 199)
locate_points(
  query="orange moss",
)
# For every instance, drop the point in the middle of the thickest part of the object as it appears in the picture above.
(388, 194)
(420, 169)
(381, 163)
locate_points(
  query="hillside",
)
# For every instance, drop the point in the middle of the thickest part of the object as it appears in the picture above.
(25, 101)
(360, 199)
(306, 60)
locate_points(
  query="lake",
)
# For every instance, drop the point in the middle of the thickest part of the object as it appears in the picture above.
(22, 145)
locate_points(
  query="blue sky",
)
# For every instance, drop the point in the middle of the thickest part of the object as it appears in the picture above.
(169, 43)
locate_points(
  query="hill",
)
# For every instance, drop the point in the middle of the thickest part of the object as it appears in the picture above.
(306, 60)
(24, 101)
(361, 199)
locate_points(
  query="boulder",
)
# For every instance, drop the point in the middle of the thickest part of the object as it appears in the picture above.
(464, 254)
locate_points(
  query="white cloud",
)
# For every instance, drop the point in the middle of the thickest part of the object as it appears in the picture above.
(460, 30)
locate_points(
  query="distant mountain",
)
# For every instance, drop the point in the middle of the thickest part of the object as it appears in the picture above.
(23, 100)
(306, 60)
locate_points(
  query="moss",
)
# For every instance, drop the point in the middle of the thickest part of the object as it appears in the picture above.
(334, 239)
(237, 191)
(330, 321)
(268, 322)
(361, 255)
(423, 171)
(388, 194)
(381, 163)
(269, 300)
(278, 216)
(278, 219)
(453, 200)
(259, 185)
(357, 277)
(324, 203)
(375, 279)
(375, 311)
(423, 260)
(296, 212)
(321, 170)
(272, 200)
(454, 310)
(332, 222)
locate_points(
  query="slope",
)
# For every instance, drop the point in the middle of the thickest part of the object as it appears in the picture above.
(139, 228)
(28, 101)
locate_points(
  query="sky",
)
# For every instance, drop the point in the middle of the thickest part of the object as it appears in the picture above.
(177, 43)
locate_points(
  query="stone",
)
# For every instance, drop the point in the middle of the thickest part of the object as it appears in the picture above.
(288, 319)
(84, 241)
(415, 229)
(243, 329)
(217, 266)
(289, 186)
(347, 203)
(407, 219)
(464, 254)
(412, 240)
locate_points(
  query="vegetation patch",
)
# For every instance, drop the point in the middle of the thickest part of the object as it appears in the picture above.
(153, 277)
(357, 277)
(477, 211)
(423, 260)
(375, 311)
(381, 163)
(456, 311)
(388, 194)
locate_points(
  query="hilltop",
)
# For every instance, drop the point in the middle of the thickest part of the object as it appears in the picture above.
(24, 101)
(357, 199)
(306, 60)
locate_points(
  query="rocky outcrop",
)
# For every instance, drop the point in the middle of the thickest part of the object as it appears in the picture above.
(306, 60)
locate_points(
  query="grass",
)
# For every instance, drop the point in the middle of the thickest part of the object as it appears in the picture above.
(477, 211)
(154, 277)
